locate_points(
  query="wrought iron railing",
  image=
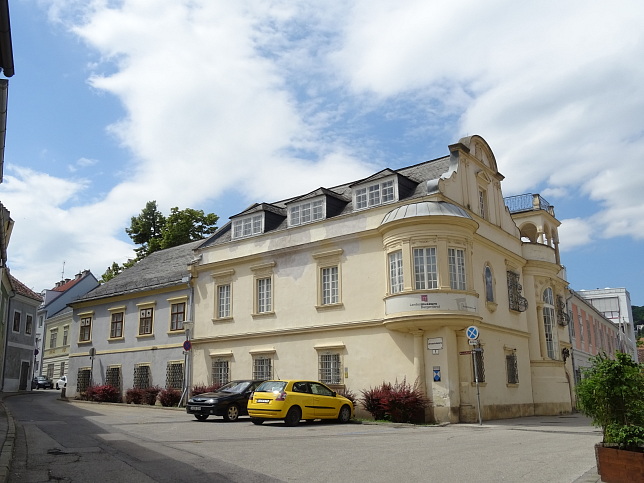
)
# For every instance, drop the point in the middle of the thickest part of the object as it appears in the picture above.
(526, 202)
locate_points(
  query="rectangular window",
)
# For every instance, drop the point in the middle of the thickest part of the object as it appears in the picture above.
(425, 271)
(177, 315)
(83, 379)
(116, 326)
(482, 203)
(113, 376)
(62, 369)
(50, 371)
(220, 372)
(29, 324)
(375, 195)
(361, 198)
(85, 329)
(264, 303)
(479, 365)
(511, 368)
(142, 378)
(330, 294)
(248, 226)
(548, 326)
(145, 321)
(53, 338)
(16, 321)
(174, 375)
(330, 368)
(395, 272)
(65, 335)
(306, 213)
(223, 301)
(262, 368)
(456, 268)
(388, 193)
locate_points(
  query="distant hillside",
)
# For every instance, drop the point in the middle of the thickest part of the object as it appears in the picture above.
(638, 315)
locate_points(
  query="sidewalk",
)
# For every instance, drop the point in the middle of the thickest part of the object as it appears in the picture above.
(7, 438)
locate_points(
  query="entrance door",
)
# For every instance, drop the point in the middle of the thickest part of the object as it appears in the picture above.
(24, 375)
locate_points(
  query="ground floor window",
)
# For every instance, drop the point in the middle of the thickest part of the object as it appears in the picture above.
(220, 371)
(113, 376)
(330, 368)
(142, 377)
(479, 365)
(83, 379)
(511, 368)
(174, 375)
(50, 371)
(262, 368)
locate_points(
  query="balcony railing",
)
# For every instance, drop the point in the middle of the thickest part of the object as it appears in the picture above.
(527, 202)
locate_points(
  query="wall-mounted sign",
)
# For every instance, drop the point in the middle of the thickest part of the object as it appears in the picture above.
(434, 343)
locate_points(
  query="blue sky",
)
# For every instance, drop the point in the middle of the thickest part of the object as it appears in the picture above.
(215, 105)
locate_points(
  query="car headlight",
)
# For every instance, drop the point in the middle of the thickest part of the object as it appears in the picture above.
(211, 401)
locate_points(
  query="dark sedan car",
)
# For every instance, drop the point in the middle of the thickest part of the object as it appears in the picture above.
(229, 401)
(42, 381)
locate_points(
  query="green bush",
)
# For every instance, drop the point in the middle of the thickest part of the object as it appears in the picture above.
(399, 402)
(611, 393)
(169, 397)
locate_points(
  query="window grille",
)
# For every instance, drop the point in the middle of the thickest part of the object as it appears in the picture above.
(330, 369)
(82, 380)
(330, 285)
(174, 375)
(479, 365)
(262, 368)
(517, 302)
(141, 376)
(177, 316)
(511, 368)
(113, 376)
(220, 371)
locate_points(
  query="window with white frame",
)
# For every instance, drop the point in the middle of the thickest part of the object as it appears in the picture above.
(220, 371)
(262, 367)
(330, 367)
(29, 324)
(305, 212)
(549, 323)
(248, 226)
(375, 194)
(223, 301)
(85, 333)
(456, 262)
(145, 320)
(264, 295)
(396, 281)
(330, 287)
(116, 325)
(425, 268)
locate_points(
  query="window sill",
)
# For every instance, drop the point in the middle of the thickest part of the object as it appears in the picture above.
(84, 342)
(176, 332)
(144, 336)
(481, 384)
(223, 319)
(263, 315)
(115, 339)
(512, 385)
(337, 306)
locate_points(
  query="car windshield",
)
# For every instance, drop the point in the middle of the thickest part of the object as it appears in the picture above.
(235, 386)
(271, 386)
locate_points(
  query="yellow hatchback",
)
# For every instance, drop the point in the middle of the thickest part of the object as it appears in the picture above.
(295, 400)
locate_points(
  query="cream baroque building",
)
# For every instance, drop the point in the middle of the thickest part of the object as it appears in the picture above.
(377, 281)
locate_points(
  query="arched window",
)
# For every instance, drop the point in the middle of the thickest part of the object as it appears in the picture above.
(549, 322)
(489, 288)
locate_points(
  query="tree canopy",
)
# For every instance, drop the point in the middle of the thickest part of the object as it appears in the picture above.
(152, 231)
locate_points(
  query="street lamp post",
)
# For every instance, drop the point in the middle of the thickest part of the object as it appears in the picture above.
(187, 326)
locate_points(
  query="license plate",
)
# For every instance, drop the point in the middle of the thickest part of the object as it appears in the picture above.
(263, 400)
(194, 408)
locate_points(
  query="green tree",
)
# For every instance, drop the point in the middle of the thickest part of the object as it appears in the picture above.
(184, 226)
(146, 229)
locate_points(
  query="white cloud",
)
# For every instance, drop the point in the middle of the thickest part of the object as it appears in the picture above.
(576, 232)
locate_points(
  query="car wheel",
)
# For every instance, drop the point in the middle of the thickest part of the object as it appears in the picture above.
(345, 414)
(257, 421)
(293, 416)
(232, 413)
(201, 417)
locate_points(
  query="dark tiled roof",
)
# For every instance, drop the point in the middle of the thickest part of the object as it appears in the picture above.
(21, 289)
(161, 269)
(419, 173)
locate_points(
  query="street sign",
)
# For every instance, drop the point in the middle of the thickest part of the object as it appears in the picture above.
(472, 332)
(187, 345)
(473, 342)
(465, 353)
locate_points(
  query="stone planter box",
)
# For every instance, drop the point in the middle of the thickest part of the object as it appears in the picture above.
(618, 465)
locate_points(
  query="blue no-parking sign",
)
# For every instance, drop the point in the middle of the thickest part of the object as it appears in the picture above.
(472, 332)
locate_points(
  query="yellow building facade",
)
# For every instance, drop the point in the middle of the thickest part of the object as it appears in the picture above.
(378, 280)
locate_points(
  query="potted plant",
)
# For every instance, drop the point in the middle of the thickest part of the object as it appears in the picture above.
(611, 393)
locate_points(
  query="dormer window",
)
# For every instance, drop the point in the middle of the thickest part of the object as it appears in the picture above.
(248, 226)
(306, 212)
(375, 194)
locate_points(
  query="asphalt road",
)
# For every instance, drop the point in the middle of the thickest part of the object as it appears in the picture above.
(84, 442)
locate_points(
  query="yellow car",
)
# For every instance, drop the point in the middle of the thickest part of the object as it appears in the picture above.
(295, 400)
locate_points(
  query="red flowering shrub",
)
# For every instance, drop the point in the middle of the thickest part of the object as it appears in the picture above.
(201, 388)
(134, 395)
(151, 394)
(104, 393)
(169, 397)
(400, 402)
